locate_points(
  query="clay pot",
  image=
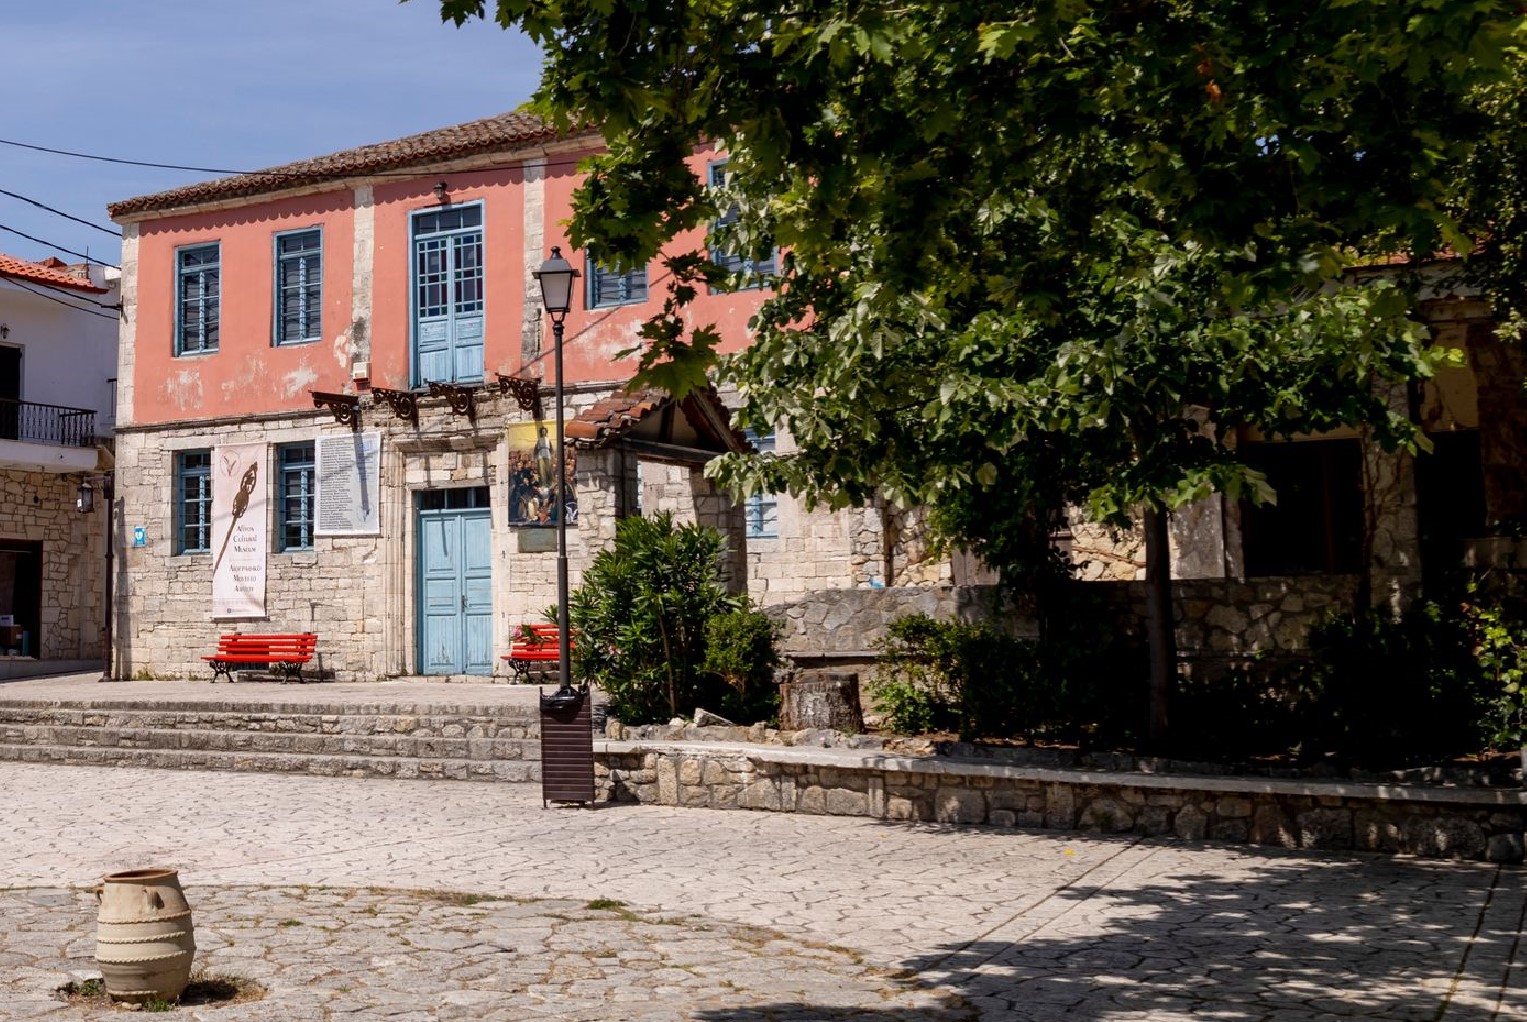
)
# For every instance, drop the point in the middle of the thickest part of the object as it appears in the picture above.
(143, 939)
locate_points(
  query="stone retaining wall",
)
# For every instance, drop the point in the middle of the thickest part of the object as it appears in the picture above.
(1433, 822)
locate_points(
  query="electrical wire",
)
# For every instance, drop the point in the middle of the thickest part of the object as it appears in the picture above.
(67, 305)
(271, 172)
(55, 245)
(59, 212)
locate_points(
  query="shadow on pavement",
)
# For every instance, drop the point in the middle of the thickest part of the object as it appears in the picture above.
(1283, 942)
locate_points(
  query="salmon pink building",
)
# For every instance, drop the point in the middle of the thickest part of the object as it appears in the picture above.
(335, 411)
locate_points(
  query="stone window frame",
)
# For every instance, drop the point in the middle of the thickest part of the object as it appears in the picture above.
(297, 462)
(193, 510)
(761, 510)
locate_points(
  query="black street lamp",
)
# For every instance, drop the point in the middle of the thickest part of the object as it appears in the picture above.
(556, 277)
(84, 503)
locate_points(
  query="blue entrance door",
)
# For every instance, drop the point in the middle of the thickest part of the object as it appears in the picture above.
(455, 591)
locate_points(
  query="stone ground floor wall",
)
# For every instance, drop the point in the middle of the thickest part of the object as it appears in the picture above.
(38, 507)
(360, 593)
(1409, 820)
(1219, 622)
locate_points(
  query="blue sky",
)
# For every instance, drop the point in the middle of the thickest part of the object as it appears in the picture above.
(237, 84)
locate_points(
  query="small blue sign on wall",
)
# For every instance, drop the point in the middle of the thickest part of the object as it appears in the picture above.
(140, 536)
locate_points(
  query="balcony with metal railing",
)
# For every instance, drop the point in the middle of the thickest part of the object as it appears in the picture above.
(49, 438)
(46, 424)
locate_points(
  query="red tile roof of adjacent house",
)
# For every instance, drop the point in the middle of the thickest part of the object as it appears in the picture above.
(52, 272)
(606, 421)
(472, 138)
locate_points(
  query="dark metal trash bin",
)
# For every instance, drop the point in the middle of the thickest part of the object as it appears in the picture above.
(567, 747)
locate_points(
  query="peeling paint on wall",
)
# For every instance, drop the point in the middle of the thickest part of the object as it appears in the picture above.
(300, 379)
(183, 390)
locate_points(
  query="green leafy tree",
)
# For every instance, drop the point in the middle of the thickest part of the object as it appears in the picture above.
(1032, 247)
(640, 616)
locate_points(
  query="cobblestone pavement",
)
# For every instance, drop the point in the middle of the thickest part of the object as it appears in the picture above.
(731, 917)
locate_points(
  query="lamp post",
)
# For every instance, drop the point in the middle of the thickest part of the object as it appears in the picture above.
(556, 277)
(84, 503)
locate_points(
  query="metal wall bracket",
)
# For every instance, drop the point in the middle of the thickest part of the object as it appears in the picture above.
(346, 407)
(404, 403)
(463, 400)
(526, 391)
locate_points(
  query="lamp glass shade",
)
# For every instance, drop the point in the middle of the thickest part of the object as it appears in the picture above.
(84, 502)
(556, 277)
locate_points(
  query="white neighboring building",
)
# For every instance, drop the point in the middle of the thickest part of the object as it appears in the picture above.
(58, 357)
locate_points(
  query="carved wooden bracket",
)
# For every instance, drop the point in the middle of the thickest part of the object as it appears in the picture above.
(404, 403)
(346, 407)
(463, 400)
(526, 391)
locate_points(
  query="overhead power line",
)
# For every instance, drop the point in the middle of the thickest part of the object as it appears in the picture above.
(59, 212)
(55, 245)
(60, 301)
(269, 173)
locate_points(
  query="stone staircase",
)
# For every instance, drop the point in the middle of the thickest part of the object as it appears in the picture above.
(401, 740)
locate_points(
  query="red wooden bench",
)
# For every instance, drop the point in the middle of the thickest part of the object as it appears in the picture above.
(286, 653)
(534, 647)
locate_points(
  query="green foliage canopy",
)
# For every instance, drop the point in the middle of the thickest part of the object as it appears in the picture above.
(1033, 236)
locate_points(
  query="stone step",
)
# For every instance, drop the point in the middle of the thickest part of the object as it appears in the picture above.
(212, 739)
(503, 771)
(434, 722)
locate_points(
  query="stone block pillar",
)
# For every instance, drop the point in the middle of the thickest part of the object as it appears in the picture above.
(715, 508)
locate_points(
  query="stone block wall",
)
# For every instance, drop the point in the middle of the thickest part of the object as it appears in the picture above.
(38, 507)
(1434, 823)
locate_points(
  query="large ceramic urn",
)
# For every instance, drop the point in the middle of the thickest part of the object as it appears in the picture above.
(143, 939)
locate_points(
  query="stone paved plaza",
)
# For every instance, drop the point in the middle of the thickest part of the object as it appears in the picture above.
(422, 900)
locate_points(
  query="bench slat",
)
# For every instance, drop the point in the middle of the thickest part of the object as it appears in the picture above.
(288, 652)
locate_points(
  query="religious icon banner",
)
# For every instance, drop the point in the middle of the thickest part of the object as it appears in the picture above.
(238, 530)
(533, 477)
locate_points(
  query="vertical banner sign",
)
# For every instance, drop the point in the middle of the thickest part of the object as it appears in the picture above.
(349, 485)
(239, 526)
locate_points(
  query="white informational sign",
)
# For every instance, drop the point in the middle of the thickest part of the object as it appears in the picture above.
(349, 485)
(238, 530)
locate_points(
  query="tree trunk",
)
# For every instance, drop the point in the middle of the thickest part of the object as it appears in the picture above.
(825, 699)
(1158, 623)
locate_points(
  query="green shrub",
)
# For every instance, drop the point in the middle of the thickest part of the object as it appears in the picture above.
(1381, 692)
(954, 675)
(742, 648)
(640, 618)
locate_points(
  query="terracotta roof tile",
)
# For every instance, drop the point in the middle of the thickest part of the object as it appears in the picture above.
(471, 138)
(606, 421)
(52, 271)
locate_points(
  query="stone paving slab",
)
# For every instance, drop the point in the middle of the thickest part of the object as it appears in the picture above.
(343, 953)
(1016, 925)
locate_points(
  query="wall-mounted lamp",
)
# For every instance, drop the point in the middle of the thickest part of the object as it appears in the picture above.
(5, 331)
(440, 195)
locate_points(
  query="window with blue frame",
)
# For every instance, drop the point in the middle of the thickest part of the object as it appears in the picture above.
(448, 294)
(761, 510)
(612, 287)
(198, 295)
(299, 286)
(193, 502)
(753, 271)
(295, 482)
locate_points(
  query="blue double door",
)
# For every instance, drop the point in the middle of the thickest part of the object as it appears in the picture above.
(455, 591)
